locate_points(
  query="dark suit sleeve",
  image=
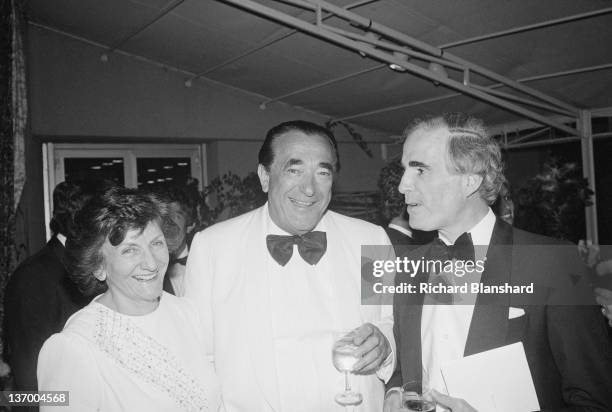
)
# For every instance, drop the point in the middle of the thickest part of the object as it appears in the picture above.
(582, 350)
(396, 378)
(30, 320)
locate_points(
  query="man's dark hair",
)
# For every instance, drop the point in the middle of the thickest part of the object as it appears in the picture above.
(69, 197)
(266, 153)
(185, 196)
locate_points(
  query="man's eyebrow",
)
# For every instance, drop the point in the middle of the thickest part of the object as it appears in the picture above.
(327, 165)
(293, 162)
(416, 163)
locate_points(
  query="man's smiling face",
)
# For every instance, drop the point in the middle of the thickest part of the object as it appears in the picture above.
(299, 182)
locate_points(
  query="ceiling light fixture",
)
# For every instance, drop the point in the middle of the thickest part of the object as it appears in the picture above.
(398, 67)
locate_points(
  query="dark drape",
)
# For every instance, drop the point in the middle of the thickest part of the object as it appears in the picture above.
(7, 204)
(13, 122)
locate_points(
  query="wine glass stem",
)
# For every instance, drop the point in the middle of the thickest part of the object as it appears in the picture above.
(347, 385)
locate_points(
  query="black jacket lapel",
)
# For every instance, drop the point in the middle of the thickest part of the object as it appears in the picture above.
(489, 325)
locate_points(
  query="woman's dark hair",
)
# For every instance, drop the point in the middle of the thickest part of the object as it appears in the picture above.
(110, 215)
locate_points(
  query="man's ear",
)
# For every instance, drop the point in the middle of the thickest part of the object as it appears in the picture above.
(264, 177)
(471, 184)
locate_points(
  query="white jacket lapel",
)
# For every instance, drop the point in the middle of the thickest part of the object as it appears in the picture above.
(257, 306)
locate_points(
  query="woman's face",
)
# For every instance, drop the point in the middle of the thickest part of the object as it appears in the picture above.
(135, 269)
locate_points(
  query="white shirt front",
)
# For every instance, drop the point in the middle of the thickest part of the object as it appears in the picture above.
(177, 274)
(307, 310)
(444, 328)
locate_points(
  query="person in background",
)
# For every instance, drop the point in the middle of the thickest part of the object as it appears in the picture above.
(134, 347)
(178, 234)
(453, 173)
(40, 297)
(273, 284)
(590, 254)
(504, 205)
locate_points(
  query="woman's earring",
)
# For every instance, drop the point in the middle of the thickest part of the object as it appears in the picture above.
(100, 275)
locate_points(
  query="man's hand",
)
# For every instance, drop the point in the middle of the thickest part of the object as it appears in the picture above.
(589, 253)
(373, 349)
(604, 298)
(393, 400)
(454, 404)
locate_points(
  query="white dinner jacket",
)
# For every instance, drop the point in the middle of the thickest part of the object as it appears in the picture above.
(227, 278)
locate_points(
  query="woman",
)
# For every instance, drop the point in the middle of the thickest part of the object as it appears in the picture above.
(134, 347)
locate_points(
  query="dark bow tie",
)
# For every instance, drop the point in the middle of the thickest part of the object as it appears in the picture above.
(311, 247)
(463, 249)
(180, 261)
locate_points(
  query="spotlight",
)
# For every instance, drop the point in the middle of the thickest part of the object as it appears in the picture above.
(398, 67)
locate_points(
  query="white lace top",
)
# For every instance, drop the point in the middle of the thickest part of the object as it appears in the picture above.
(114, 362)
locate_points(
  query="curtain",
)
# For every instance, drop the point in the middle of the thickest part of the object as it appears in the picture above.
(13, 122)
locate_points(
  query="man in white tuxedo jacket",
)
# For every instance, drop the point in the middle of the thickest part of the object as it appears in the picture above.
(274, 284)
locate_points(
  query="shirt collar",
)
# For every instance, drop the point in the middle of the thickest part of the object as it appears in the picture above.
(401, 229)
(61, 238)
(481, 232)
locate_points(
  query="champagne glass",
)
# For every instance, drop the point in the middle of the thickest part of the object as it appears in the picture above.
(412, 400)
(344, 360)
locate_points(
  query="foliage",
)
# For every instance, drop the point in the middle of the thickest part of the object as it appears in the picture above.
(392, 202)
(354, 134)
(553, 202)
(228, 196)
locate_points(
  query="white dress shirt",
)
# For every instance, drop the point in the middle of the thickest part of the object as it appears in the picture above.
(401, 229)
(177, 274)
(444, 328)
(308, 307)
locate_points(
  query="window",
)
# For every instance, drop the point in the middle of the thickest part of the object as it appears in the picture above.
(131, 165)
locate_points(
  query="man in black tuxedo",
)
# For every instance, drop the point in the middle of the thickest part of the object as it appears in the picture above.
(453, 172)
(39, 296)
(182, 212)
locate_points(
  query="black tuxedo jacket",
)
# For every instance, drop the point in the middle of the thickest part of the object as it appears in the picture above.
(403, 243)
(39, 299)
(568, 348)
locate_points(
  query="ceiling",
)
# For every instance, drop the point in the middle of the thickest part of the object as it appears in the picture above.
(219, 41)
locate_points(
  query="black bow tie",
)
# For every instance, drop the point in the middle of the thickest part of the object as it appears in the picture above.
(463, 249)
(180, 261)
(311, 247)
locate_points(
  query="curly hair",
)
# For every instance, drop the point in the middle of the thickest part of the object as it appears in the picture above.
(110, 215)
(471, 150)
